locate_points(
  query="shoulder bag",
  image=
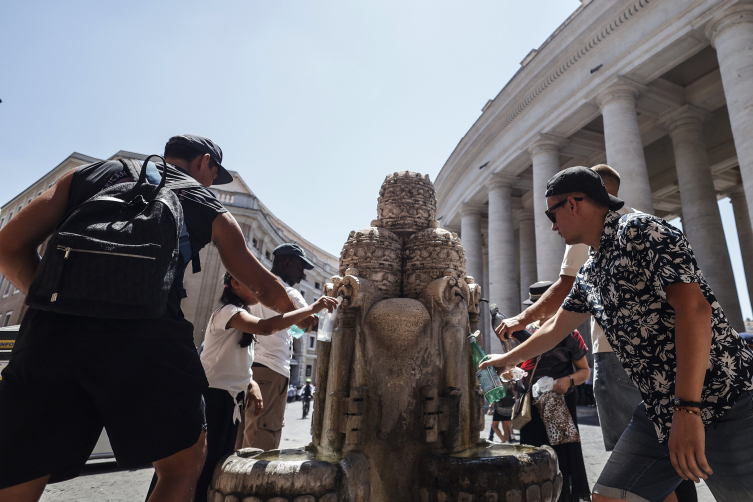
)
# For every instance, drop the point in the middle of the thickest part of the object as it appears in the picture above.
(521, 412)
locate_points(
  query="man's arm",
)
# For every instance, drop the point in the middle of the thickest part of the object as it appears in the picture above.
(550, 334)
(545, 307)
(243, 265)
(687, 437)
(21, 236)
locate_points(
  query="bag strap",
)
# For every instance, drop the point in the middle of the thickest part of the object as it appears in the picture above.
(530, 382)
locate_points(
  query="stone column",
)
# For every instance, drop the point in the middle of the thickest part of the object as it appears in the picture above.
(701, 220)
(545, 155)
(744, 233)
(485, 319)
(527, 231)
(470, 237)
(503, 277)
(622, 138)
(731, 34)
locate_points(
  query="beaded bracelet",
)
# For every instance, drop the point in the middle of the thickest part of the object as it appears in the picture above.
(692, 412)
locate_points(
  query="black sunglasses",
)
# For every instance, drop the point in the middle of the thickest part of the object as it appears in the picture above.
(550, 212)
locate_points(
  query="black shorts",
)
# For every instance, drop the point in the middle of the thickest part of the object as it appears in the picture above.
(55, 397)
(499, 417)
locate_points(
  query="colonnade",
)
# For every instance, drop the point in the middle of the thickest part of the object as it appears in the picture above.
(540, 249)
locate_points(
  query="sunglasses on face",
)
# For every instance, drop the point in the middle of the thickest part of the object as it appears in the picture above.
(550, 212)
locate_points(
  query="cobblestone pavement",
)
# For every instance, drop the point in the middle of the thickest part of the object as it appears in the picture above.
(103, 481)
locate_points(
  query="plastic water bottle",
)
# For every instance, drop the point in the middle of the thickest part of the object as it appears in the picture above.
(295, 331)
(487, 377)
(327, 322)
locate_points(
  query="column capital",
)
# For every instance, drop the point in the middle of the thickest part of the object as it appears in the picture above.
(740, 13)
(737, 192)
(521, 215)
(500, 180)
(686, 115)
(547, 143)
(620, 89)
(471, 209)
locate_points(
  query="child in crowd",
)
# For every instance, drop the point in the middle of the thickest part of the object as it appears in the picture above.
(227, 358)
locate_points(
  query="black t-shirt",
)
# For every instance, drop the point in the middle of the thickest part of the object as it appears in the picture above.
(200, 208)
(557, 362)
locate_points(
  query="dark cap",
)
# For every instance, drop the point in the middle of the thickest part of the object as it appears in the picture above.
(585, 180)
(290, 249)
(535, 291)
(204, 145)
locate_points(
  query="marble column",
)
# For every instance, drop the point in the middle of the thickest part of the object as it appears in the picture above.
(527, 230)
(545, 155)
(731, 34)
(744, 233)
(622, 138)
(503, 277)
(470, 237)
(485, 321)
(701, 220)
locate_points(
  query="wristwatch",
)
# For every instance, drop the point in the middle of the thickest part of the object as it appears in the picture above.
(687, 404)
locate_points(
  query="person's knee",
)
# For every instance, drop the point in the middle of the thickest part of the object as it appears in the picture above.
(184, 466)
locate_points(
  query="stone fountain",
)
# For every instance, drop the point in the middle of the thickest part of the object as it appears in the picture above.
(398, 409)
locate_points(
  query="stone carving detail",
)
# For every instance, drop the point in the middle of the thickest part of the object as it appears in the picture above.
(407, 203)
(377, 255)
(428, 255)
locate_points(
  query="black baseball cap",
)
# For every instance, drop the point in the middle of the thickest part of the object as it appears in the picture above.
(290, 249)
(205, 145)
(585, 180)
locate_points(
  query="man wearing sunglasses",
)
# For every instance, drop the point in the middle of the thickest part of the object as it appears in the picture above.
(694, 372)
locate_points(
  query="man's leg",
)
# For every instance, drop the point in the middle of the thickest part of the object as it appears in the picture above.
(31, 491)
(616, 397)
(177, 474)
(265, 430)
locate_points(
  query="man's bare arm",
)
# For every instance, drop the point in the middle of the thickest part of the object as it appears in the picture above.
(21, 236)
(545, 307)
(243, 265)
(692, 347)
(550, 334)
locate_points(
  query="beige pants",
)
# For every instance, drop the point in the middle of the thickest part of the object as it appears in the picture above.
(265, 430)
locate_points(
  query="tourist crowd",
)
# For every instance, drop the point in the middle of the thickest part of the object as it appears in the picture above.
(672, 380)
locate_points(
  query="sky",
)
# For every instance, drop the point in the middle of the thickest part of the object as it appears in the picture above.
(312, 102)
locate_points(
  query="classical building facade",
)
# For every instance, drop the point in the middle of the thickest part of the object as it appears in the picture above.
(262, 230)
(661, 90)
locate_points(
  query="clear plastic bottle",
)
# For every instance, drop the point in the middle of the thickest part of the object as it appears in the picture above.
(487, 377)
(327, 322)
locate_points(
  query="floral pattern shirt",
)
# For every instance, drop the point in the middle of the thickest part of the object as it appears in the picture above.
(623, 286)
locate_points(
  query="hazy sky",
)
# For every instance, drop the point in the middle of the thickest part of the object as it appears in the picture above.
(312, 102)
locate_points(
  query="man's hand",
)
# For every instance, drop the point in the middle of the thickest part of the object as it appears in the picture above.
(687, 447)
(510, 325)
(501, 362)
(253, 396)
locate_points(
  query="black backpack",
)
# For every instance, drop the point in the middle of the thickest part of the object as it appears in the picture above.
(114, 255)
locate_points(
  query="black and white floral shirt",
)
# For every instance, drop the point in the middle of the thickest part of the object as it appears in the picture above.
(623, 286)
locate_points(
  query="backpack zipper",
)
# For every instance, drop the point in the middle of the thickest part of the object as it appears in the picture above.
(68, 250)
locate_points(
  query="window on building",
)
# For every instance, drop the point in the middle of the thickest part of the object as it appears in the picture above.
(317, 285)
(50, 185)
(7, 289)
(256, 243)
(2, 282)
(15, 291)
(2, 220)
(312, 342)
(39, 193)
(268, 255)
(6, 322)
(308, 370)
(29, 201)
(10, 215)
(19, 208)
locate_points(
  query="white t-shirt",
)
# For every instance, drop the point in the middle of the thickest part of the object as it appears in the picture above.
(275, 351)
(226, 364)
(575, 257)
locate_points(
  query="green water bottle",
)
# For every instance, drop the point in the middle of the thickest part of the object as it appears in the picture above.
(487, 377)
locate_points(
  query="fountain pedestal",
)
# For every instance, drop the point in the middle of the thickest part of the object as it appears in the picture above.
(398, 409)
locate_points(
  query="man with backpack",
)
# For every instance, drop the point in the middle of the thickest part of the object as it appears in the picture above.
(104, 341)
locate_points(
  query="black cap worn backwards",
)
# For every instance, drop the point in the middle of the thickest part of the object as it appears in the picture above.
(205, 145)
(290, 249)
(585, 180)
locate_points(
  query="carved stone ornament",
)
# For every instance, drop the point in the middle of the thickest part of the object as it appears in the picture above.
(377, 255)
(428, 255)
(407, 203)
